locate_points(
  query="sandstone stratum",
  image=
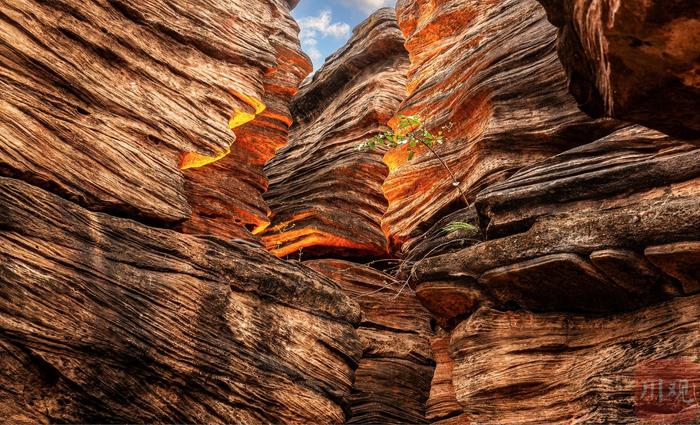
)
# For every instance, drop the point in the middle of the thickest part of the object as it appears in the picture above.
(197, 226)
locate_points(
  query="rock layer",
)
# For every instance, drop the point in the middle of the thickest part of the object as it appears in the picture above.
(105, 101)
(392, 380)
(106, 320)
(226, 196)
(571, 233)
(632, 59)
(490, 69)
(325, 196)
(524, 368)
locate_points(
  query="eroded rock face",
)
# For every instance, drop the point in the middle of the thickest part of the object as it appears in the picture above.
(490, 69)
(583, 266)
(635, 60)
(325, 196)
(226, 195)
(106, 320)
(104, 102)
(571, 233)
(525, 368)
(604, 228)
(393, 378)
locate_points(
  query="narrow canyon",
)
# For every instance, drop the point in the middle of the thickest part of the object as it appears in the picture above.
(190, 234)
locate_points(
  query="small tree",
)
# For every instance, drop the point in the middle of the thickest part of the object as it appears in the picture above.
(411, 132)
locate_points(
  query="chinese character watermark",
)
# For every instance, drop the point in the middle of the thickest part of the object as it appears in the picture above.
(667, 391)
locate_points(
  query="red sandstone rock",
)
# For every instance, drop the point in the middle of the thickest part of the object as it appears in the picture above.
(525, 368)
(570, 233)
(105, 320)
(226, 196)
(325, 196)
(489, 68)
(104, 102)
(635, 60)
(442, 405)
(393, 378)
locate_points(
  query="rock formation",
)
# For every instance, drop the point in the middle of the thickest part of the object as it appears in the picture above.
(490, 69)
(108, 320)
(140, 269)
(104, 102)
(105, 320)
(393, 378)
(570, 233)
(608, 227)
(583, 265)
(226, 196)
(327, 201)
(525, 368)
(325, 196)
(635, 60)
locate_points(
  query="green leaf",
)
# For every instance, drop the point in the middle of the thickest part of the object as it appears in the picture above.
(458, 226)
(410, 154)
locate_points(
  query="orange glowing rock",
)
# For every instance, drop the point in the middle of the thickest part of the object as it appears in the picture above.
(241, 117)
(503, 91)
(238, 118)
(196, 160)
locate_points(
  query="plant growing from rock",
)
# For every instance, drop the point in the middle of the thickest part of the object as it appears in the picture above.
(411, 132)
(458, 226)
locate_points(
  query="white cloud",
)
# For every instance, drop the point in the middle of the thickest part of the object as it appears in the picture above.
(315, 55)
(322, 25)
(369, 6)
(313, 27)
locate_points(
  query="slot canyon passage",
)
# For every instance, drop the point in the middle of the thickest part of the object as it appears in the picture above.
(188, 233)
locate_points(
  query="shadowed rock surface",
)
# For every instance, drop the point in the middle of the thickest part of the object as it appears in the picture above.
(106, 320)
(325, 196)
(490, 69)
(392, 380)
(635, 60)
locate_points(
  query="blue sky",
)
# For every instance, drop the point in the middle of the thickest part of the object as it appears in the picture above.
(327, 24)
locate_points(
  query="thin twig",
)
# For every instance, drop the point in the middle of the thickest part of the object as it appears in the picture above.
(455, 183)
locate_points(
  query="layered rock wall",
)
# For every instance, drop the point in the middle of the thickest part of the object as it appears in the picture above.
(525, 368)
(576, 285)
(582, 230)
(491, 70)
(580, 277)
(635, 60)
(105, 320)
(226, 195)
(326, 196)
(602, 229)
(105, 102)
(326, 200)
(115, 122)
(393, 378)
